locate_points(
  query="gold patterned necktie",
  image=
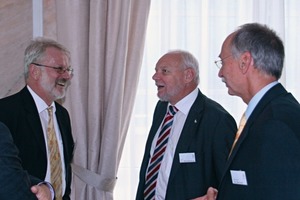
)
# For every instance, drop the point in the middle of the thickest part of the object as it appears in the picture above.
(239, 131)
(54, 157)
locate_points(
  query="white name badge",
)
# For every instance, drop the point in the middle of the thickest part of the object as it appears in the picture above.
(238, 177)
(187, 158)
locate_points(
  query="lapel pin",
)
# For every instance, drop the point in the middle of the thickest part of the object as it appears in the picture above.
(195, 121)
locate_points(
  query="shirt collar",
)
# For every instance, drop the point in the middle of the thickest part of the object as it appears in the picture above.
(185, 104)
(257, 97)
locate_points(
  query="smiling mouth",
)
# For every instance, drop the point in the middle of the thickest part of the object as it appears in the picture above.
(61, 83)
(159, 87)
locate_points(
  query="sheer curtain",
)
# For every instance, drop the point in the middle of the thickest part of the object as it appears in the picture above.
(200, 26)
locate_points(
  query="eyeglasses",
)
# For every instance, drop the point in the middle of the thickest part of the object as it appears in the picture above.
(59, 70)
(219, 63)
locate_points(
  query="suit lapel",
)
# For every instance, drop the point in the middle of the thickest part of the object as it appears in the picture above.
(159, 114)
(33, 118)
(63, 123)
(189, 129)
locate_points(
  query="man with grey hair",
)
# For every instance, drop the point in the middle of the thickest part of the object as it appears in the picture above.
(40, 126)
(190, 137)
(265, 160)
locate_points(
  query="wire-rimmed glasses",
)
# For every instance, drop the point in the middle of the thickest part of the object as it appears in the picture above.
(219, 63)
(59, 69)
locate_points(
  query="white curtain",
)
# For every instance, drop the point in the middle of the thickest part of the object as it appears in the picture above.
(200, 26)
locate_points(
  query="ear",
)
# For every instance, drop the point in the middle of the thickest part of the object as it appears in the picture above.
(34, 72)
(189, 75)
(245, 61)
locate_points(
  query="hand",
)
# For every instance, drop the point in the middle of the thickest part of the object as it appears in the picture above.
(211, 194)
(42, 192)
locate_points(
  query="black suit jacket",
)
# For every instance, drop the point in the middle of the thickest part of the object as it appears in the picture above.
(268, 151)
(21, 116)
(15, 183)
(208, 132)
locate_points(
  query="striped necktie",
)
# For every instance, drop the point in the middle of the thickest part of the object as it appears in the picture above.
(158, 154)
(54, 157)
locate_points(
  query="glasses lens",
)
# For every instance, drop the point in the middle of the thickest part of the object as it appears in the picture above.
(70, 71)
(60, 70)
(220, 64)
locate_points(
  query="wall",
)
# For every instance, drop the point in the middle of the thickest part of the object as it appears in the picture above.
(16, 30)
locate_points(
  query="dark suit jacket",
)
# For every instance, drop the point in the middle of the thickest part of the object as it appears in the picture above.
(20, 114)
(268, 151)
(208, 132)
(14, 181)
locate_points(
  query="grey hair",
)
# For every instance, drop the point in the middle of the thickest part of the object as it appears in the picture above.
(264, 44)
(35, 51)
(188, 60)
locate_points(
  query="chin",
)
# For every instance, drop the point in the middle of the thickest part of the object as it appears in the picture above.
(59, 95)
(229, 92)
(162, 98)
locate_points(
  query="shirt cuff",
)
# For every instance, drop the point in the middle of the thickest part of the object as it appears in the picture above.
(50, 188)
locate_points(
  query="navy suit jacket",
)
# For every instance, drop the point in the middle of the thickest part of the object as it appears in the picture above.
(267, 152)
(208, 132)
(15, 183)
(19, 113)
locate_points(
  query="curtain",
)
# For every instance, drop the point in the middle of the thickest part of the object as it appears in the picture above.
(106, 39)
(200, 26)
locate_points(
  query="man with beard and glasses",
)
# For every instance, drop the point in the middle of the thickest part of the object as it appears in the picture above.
(27, 115)
(182, 160)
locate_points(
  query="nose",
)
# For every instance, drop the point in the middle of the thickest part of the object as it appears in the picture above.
(220, 74)
(155, 76)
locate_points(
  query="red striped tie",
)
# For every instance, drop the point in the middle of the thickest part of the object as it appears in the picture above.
(158, 154)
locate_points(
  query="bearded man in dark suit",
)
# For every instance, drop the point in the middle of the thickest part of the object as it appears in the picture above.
(47, 75)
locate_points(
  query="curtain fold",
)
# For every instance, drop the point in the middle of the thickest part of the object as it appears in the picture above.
(106, 39)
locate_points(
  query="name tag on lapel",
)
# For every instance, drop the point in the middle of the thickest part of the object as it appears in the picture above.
(187, 157)
(238, 177)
